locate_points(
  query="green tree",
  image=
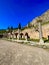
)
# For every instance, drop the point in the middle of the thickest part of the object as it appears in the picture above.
(10, 29)
(19, 26)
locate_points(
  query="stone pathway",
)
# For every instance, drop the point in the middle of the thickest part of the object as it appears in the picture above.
(18, 54)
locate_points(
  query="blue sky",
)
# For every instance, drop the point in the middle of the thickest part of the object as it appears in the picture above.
(14, 11)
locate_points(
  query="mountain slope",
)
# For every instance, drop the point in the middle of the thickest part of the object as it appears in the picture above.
(33, 33)
(44, 17)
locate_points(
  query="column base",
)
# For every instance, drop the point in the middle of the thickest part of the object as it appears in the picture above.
(41, 41)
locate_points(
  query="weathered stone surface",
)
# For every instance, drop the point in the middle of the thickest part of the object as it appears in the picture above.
(45, 28)
(18, 54)
(44, 17)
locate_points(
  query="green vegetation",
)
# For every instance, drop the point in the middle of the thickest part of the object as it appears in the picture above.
(10, 29)
(45, 23)
(22, 39)
(45, 40)
(2, 31)
(35, 40)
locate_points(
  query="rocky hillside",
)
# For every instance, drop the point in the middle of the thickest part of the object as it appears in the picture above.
(44, 17)
(33, 33)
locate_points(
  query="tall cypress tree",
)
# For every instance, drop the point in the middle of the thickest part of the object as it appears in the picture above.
(19, 26)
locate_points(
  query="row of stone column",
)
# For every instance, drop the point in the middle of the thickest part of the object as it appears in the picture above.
(18, 36)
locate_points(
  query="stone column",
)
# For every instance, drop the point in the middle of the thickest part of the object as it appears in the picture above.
(19, 29)
(18, 34)
(40, 33)
(9, 36)
(26, 38)
(12, 35)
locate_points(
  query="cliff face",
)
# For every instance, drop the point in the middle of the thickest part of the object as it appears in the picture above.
(44, 17)
(45, 28)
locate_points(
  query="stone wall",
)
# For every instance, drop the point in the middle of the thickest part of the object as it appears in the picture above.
(35, 34)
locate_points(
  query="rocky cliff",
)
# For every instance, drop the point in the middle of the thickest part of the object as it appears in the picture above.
(33, 33)
(44, 17)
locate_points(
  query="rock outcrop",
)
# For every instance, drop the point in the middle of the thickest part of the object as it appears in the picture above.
(45, 26)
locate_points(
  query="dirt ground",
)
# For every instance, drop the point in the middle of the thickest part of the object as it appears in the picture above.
(18, 54)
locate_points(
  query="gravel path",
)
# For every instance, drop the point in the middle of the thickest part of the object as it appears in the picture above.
(19, 54)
